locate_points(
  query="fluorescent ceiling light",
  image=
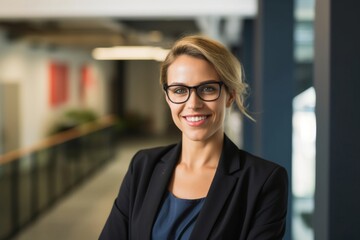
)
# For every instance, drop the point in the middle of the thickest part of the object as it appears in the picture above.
(130, 53)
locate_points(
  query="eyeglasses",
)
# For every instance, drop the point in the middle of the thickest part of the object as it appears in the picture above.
(208, 91)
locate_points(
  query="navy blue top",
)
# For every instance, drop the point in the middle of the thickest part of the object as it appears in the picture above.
(176, 218)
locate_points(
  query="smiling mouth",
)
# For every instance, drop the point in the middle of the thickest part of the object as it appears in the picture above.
(195, 118)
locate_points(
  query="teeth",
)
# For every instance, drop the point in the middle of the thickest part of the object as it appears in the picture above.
(195, 119)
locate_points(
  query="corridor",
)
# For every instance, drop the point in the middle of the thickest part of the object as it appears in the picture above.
(82, 213)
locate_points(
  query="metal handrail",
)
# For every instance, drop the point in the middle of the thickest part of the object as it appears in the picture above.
(59, 138)
(32, 179)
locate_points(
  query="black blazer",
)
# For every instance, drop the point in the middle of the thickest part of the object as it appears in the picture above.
(247, 198)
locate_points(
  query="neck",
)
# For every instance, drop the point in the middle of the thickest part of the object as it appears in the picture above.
(197, 154)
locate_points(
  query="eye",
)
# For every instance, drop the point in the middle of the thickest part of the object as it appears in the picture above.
(178, 90)
(208, 88)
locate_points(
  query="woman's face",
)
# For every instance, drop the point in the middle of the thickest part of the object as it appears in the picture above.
(197, 119)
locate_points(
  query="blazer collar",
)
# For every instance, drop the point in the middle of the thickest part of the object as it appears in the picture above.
(229, 160)
(220, 188)
(158, 186)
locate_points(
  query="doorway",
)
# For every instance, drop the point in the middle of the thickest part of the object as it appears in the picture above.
(9, 114)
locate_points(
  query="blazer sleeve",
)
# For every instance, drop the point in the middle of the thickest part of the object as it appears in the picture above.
(117, 224)
(271, 208)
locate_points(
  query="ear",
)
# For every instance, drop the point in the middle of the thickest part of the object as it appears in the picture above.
(230, 99)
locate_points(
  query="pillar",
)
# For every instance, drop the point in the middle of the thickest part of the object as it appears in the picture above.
(273, 86)
(337, 82)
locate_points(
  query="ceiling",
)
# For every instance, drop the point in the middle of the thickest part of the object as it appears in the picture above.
(92, 23)
(121, 22)
(90, 33)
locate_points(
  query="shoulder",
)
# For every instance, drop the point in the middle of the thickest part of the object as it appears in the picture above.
(251, 161)
(261, 176)
(247, 161)
(263, 170)
(251, 168)
(149, 157)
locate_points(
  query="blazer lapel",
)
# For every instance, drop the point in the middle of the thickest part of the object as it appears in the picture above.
(219, 191)
(158, 185)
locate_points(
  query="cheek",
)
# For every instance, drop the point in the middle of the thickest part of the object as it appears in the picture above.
(174, 109)
(221, 111)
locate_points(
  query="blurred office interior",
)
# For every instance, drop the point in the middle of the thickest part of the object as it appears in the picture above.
(76, 102)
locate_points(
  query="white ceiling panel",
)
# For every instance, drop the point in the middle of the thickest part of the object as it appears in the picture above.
(128, 8)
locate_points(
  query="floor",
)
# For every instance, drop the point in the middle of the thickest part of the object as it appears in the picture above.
(82, 214)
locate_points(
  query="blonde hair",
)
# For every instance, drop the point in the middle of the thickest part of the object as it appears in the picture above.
(225, 63)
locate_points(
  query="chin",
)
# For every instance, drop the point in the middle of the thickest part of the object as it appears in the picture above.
(198, 136)
(194, 136)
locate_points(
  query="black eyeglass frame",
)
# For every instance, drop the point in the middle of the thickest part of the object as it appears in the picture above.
(166, 87)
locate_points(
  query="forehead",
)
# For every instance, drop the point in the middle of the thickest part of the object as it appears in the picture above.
(188, 69)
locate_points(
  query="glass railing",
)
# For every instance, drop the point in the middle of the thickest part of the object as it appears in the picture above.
(33, 179)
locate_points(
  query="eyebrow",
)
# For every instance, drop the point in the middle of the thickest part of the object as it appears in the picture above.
(182, 84)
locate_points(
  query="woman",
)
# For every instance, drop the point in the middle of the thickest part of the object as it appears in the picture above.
(203, 187)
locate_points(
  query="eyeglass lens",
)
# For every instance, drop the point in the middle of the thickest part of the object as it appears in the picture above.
(206, 92)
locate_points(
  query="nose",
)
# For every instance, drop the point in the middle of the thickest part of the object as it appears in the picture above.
(194, 101)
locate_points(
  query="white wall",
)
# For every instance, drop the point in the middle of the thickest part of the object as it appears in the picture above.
(29, 67)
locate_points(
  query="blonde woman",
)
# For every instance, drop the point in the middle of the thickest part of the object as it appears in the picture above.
(204, 187)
